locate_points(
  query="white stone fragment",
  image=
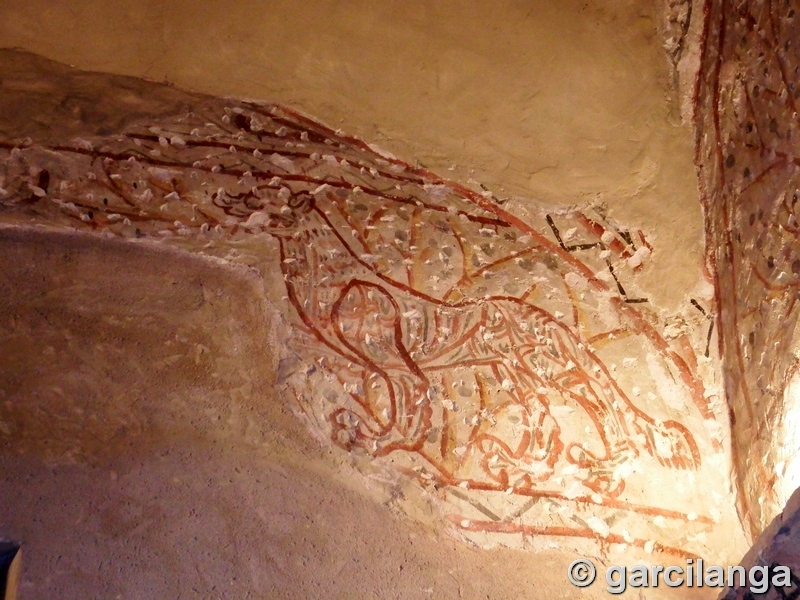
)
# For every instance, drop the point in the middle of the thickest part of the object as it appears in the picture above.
(599, 526)
(638, 257)
(282, 162)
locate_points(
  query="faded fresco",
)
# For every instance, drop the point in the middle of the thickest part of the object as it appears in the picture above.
(747, 133)
(511, 370)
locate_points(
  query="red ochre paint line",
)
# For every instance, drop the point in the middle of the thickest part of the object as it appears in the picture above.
(531, 530)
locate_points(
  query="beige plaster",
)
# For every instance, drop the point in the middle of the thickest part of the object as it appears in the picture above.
(556, 102)
(563, 102)
(148, 456)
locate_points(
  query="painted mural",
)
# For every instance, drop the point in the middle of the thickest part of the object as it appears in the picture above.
(747, 148)
(511, 370)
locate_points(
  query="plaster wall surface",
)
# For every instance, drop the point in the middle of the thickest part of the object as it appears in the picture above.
(121, 488)
(747, 121)
(146, 453)
(564, 103)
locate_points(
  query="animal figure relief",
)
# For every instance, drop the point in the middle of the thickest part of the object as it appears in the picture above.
(461, 341)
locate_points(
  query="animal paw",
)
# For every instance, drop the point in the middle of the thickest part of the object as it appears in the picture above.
(670, 443)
